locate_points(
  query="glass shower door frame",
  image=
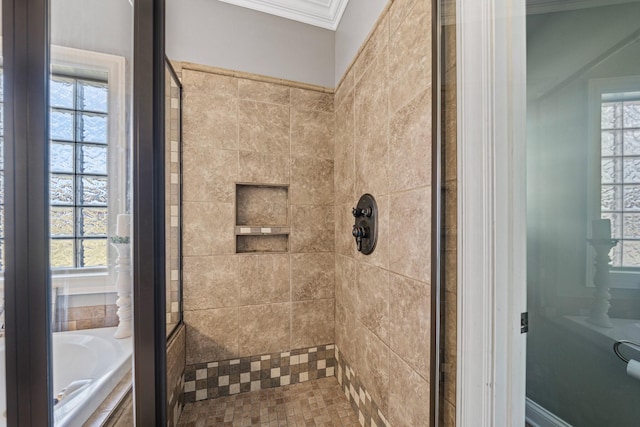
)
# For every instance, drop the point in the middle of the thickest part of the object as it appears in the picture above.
(27, 271)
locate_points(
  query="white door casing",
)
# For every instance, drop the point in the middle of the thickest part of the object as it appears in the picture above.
(491, 64)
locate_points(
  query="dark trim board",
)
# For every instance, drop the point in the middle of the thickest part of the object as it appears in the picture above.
(27, 278)
(149, 320)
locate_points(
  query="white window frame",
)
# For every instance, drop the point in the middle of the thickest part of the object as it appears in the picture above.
(597, 88)
(99, 280)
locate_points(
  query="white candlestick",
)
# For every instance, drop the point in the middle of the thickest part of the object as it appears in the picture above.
(123, 228)
(601, 229)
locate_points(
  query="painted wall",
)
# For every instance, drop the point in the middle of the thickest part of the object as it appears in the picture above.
(95, 25)
(213, 33)
(357, 21)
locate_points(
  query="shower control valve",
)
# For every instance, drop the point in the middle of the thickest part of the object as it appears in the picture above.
(359, 233)
(359, 212)
(365, 227)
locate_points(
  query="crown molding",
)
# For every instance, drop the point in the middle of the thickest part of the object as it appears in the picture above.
(320, 13)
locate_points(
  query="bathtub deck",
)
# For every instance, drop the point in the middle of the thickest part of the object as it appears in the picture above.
(313, 403)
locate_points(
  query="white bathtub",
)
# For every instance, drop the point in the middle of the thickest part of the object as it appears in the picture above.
(623, 329)
(91, 361)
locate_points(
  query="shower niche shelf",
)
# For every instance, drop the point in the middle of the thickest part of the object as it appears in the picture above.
(262, 218)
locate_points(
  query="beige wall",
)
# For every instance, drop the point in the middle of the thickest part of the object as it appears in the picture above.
(383, 146)
(237, 129)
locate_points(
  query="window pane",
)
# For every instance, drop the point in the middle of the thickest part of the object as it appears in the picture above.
(61, 157)
(94, 252)
(631, 226)
(61, 93)
(632, 171)
(92, 128)
(61, 125)
(630, 253)
(1, 121)
(62, 222)
(62, 253)
(611, 171)
(632, 143)
(93, 159)
(61, 190)
(94, 191)
(632, 114)
(1, 152)
(92, 221)
(92, 96)
(611, 197)
(611, 143)
(2, 190)
(632, 197)
(611, 115)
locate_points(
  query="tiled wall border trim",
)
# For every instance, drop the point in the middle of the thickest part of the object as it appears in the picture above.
(367, 411)
(234, 376)
(250, 76)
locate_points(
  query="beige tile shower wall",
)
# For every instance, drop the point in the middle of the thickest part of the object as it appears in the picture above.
(383, 147)
(249, 130)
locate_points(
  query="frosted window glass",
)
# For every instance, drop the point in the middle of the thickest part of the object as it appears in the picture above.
(92, 96)
(61, 125)
(92, 128)
(93, 159)
(632, 226)
(61, 157)
(611, 144)
(94, 191)
(61, 222)
(632, 142)
(611, 117)
(62, 253)
(93, 222)
(94, 252)
(61, 93)
(631, 253)
(611, 171)
(61, 190)
(632, 114)
(631, 171)
(611, 197)
(631, 198)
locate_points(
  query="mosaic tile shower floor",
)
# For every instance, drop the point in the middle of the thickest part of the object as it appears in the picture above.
(312, 403)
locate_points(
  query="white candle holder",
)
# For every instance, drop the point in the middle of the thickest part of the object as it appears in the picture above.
(123, 287)
(600, 308)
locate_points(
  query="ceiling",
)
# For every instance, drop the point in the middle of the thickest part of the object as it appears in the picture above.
(321, 13)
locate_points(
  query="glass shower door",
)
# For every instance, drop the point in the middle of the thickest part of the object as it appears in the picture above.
(90, 137)
(583, 196)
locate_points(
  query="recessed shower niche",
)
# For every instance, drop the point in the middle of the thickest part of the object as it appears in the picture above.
(262, 218)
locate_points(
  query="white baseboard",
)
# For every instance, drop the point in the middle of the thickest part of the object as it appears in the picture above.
(537, 416)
